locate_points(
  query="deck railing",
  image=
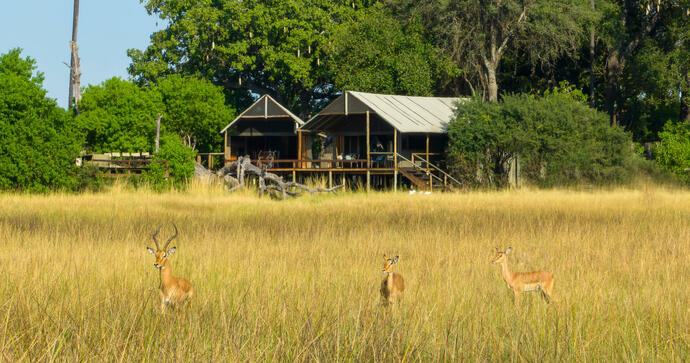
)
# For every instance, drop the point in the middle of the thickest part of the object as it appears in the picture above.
(126, 166)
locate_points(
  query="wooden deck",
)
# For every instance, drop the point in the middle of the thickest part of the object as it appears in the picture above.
(417, 169)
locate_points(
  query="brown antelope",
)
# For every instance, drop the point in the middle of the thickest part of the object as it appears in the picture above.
(174, 290)
(541, 281)
(392, 285)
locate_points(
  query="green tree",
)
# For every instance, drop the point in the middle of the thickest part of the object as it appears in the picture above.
(274, 47)
(38, 142)
(374, 52)
(478, 34)
(646, 56)
(118, 115)
(194, 109)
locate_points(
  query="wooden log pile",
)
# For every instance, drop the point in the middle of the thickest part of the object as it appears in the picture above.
(235, 174)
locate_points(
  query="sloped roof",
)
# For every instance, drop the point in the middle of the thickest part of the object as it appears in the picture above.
(264, 108)
(408, 114)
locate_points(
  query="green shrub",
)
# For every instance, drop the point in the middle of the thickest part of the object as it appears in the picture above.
(38, 141)
(557, 138)
(88, 178)
(180, 160)
(673, 154)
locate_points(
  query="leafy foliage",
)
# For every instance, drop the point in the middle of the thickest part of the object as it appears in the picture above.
(273, 47)
(194, 109)
(180, 161)
(119, 116)
(556, 137)
(373, 52)
(673, 154)
(38, 142)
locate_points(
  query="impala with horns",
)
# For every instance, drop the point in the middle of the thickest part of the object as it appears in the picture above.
(392, 285)
(173, 290)
(541, 281)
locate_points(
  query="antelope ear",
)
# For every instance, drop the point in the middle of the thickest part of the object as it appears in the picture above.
(171, 251)
(395, 259)
(384, 256)
(151, 250)
(508, 250)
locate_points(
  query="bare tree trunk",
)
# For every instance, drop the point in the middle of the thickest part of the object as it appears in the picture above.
(492, 85)
(591, 62)
(158, 131)
(74, 62)
(685, 99)
(613, 69)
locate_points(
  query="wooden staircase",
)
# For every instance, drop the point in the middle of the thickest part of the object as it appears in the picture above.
(416, 176)
(428, 178)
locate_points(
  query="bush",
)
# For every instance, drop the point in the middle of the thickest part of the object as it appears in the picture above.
(673, 154)
(557, 138)
(38, 141)
(180, 160)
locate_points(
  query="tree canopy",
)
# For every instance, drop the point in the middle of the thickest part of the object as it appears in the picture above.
(629, 56)
(373, 52)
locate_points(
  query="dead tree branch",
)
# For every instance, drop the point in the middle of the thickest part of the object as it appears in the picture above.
(267, 181)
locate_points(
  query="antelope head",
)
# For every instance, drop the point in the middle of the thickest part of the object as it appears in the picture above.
(162, 254)
(388, 264)
(500, 256)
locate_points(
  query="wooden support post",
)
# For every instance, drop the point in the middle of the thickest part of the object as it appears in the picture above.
(395, 160)
(330, 179)
(428, 168)
(198, 158)
(368, 157)
(225, 150)
(210, 161)
(299, 148)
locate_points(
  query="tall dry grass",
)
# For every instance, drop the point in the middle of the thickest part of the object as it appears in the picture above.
(298, 280)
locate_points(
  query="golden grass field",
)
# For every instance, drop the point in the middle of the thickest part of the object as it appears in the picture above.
(298, 280)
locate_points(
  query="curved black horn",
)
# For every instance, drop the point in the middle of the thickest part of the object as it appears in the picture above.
(154, 238)
(171, 238)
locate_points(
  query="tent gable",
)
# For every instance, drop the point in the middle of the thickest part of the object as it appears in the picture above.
(266, 108)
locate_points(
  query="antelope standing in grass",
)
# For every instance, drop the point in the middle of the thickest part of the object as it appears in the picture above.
(174, 290)
(392, 285)
(541, 281)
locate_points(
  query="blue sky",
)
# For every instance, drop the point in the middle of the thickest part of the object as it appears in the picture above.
(43, 29)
